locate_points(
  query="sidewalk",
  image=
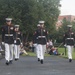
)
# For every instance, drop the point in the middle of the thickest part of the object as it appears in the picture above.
(27, 65)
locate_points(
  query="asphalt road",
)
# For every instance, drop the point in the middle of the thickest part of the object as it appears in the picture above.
(27, 65)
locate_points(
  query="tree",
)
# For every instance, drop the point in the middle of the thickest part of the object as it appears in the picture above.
(62, 30)
(27, 13)
(73, 23)
(50, 12)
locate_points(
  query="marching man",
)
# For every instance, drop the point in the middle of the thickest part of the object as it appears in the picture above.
(8, 40)
(42, 38)
(17, 42)
(68, 39)
(35, 42)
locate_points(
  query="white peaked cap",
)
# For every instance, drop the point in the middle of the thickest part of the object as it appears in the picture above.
(41, 21)
(17, 25)
(8, 19)
(38, 25)
(69, 25)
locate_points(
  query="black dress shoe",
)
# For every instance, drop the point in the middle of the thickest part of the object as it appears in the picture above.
(41, 61)
(70, 60)
(38, 59)
(16, 59)
(7, 63)
(10, 61)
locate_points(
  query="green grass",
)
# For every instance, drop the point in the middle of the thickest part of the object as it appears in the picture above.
(60, 50)
(34, 54)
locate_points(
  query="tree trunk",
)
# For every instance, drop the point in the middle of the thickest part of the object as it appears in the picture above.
(27, 37)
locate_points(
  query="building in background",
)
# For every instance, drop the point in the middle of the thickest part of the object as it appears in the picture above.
(69, 18)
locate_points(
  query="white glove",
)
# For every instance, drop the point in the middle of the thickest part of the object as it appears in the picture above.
(65, 45)
(14, 41)
(2, 43)
(34, 44)
(21, 43)
(47, 43)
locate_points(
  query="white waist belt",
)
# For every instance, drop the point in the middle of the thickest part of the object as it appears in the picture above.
(8, 34)
(41, 36)
(71, 38)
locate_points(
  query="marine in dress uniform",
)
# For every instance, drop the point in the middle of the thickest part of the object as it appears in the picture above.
(35, 42)
(69, 38)
(42, 38)
(17, 42)
(8, 40)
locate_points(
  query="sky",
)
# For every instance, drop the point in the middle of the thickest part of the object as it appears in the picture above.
(67, 7)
